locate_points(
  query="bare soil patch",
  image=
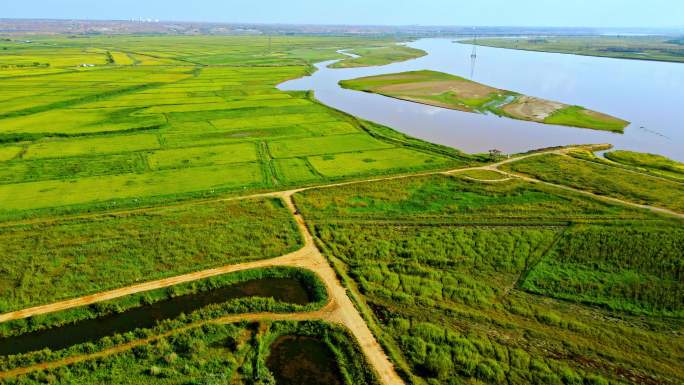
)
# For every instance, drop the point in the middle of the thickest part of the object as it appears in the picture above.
(464, 89)
(531, 108)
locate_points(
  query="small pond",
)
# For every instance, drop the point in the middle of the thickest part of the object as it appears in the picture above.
(297, 360)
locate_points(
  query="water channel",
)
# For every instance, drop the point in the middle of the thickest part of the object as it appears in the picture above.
(281, 289)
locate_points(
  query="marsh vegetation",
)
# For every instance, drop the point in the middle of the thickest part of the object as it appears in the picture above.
(506, 282)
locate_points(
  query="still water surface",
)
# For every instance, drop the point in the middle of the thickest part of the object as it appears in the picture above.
(648, 94)
(281, 289)
(297, 360)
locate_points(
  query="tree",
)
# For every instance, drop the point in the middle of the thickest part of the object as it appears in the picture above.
(495, 154)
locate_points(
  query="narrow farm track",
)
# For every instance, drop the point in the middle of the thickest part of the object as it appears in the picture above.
(655, 209)
(339, 309)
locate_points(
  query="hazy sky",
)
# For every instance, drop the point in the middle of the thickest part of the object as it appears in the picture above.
(590, 13)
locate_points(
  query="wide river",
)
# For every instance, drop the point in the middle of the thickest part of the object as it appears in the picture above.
(648, 94)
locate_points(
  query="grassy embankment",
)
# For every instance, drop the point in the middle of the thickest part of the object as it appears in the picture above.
(449, 91)
(449, 272)
(656, 165)
(658, 48)
(184, 117)
(308, 281)
(380, 55)
(603, 179)
(136, 335)
(652, 163)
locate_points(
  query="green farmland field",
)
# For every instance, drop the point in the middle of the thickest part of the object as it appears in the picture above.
(9, 152)
(60, 148)
(181, 116)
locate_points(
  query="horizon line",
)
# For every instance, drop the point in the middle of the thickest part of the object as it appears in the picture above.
(159, 21)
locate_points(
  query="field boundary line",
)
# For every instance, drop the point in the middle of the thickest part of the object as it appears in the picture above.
(267, 194)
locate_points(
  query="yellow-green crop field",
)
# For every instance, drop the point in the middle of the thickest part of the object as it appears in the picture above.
(121, 119)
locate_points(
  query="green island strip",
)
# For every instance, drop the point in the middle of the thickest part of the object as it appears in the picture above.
(454, 92)
(380, 55)
(657, 48)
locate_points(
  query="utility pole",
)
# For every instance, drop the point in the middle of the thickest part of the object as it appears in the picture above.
(473, 55)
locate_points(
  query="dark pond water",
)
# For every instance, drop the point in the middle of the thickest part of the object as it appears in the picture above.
(296, 360)
(281, 289)
(648, 94)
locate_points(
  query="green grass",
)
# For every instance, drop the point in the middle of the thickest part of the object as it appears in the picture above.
(70, 168)
(603, 180)
(454, 92)
(46, 262)
(375, 162)
(631, 268)
(79, 121)
(456, 199)
(9, 152)
(90, 146)
(203, 156)
(381, 55)
(627, 47)
(489, 283)
(657, 164)
(43, 194)
(576, 116)
(325, 145)
(483, 175)
(295, 170)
